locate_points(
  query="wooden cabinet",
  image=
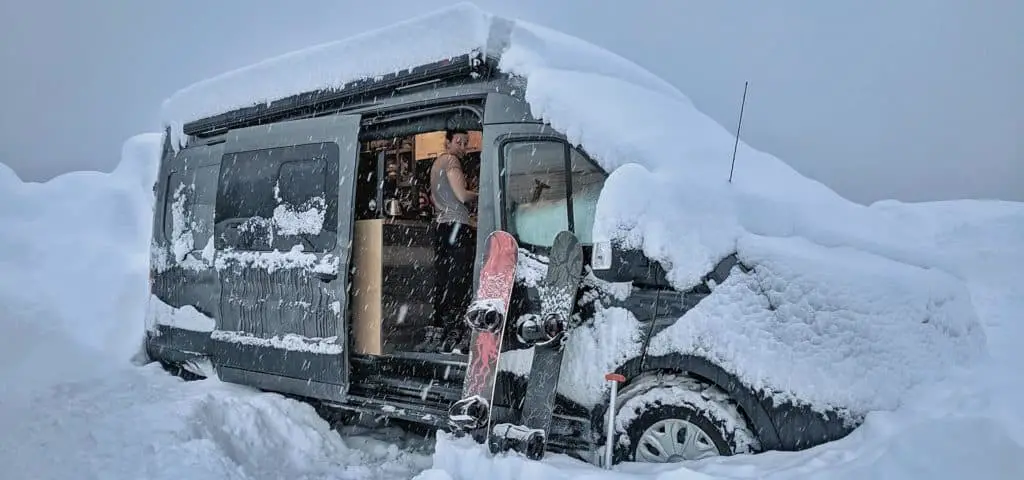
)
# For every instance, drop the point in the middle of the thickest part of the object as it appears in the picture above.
(393, 287)
(430, 145)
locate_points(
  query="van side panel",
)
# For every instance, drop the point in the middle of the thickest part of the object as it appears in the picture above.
(182, 229)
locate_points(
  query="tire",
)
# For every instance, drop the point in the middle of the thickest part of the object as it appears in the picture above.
(677, 419)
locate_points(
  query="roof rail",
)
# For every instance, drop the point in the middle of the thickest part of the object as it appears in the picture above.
(471, 65)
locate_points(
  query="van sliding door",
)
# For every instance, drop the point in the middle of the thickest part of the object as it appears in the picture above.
(282, 236)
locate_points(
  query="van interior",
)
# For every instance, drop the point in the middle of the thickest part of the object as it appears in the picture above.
(392, 286)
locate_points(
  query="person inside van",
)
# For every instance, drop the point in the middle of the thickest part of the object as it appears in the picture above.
(454, 247)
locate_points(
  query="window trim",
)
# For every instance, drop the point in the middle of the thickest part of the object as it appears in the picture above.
(568, 148)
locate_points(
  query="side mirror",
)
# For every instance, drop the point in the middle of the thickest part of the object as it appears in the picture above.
(612, 263)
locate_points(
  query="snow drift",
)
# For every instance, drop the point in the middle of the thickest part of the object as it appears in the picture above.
(82, 247)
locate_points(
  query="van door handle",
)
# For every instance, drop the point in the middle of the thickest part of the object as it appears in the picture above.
(326, 277)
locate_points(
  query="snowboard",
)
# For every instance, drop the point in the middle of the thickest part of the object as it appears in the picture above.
(545, 332)
(486, 317)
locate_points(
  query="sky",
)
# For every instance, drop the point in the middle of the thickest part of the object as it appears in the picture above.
(914, 100)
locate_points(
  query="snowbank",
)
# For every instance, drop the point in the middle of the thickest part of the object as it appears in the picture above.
(953, 448)
(894, 304)
(139, 422)
(79, 244)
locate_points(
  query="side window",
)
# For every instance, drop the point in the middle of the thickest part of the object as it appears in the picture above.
(188, 210)
(204, 199)
(587, 181)
(535, 190)
(536, 203)
(279, 198)
(178, 217)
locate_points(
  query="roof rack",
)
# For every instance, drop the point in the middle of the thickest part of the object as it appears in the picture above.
(474, 65)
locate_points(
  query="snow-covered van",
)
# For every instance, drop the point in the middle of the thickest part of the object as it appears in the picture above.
(291, 251)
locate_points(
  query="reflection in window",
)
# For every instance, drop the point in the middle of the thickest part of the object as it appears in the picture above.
(535, 183)
(535, 190)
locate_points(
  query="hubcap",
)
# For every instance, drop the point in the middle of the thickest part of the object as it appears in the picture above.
(674, 440)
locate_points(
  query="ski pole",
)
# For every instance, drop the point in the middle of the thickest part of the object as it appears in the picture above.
(615, 378)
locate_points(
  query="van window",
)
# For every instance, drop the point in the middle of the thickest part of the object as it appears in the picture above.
(279, 198)
(536, 203)
(188, 209)
(587, 182)
(177, 202)
(204, 198)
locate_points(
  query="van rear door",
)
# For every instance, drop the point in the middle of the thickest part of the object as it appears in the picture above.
(283, 226)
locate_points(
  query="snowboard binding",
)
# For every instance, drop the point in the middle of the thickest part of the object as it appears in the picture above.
(542, 331)
(506, 436)
(485, 315)
(468, 414)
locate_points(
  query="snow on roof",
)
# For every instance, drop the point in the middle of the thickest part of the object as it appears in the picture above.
(446, 33)
(669, 194)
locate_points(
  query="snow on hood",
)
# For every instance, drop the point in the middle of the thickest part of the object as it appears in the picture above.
(669, 195)
(79, 244)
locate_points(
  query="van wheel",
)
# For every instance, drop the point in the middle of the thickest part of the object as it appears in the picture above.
(677, 421)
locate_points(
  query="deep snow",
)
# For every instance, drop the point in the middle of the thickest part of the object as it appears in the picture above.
(76, 253)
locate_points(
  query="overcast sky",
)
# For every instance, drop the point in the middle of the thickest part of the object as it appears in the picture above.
(908, 99)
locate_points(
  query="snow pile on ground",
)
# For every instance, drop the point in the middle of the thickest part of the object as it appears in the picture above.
(142, 423)
(79, 244)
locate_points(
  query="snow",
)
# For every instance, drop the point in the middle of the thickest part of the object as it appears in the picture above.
(433, 37)
(908, 312)
(275, 260)
(291, 342)
(488, 304)
(186, 317)
(591, 350)
(840, 321)
(530, 268)
(291, 221)
(78, 244)
(306, 219)
(692, 395)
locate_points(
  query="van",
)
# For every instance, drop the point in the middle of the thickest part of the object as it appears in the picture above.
(292, 253)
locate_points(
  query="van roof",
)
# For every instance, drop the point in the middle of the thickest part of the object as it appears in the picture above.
(461, 40)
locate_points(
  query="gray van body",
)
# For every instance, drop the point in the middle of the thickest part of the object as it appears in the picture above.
(311, 298)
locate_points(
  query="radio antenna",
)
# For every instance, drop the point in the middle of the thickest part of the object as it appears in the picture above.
(738, 125)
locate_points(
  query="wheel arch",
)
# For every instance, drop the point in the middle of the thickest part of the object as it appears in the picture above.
(641, 369)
